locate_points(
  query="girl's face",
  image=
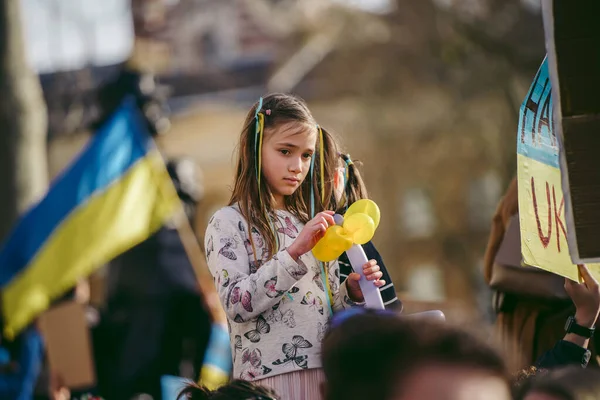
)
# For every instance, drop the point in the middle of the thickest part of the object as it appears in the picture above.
(286, 155)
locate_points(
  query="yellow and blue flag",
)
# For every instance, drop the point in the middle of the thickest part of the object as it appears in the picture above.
(113, 196)
(218, 363)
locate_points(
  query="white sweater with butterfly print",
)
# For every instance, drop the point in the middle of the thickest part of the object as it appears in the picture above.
(277, 309)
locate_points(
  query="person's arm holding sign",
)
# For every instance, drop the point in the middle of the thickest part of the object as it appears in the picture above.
(580, 327)
(586, 297)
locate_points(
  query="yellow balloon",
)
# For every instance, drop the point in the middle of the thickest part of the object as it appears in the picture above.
(332, 245)
(365, 206)
(360, 222)
(360, 227)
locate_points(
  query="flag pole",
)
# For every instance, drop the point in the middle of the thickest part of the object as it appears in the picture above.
(217, 363)
(196, 257)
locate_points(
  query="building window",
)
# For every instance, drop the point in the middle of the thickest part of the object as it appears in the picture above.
(417, 215)
(484, 193)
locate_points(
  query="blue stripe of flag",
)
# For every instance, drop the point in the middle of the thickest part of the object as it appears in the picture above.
(218, 351)
(116, 146)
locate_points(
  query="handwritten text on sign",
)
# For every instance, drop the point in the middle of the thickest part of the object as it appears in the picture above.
(541, 200)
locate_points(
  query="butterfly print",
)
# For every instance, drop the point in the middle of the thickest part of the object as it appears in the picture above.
(237, 346)
(252, 357)
(288, 297)
(216, 224)
(236, 296)
(321, 330)
(299, 270)
(262, 328)
(253, 285)
(289, 230)
(226, 250)
(233, 297)
(318, 281)
(253, 373)
(266, 370)
(290, 350)
(272, 292)
(286, 317)
(258, 240)
(247, 301)
(210, 247)
(256, 264)
(223, 278)
(247, 242)
(253, 368)
(335, 282)
(256, 237)
(313, 301)
(238, 319)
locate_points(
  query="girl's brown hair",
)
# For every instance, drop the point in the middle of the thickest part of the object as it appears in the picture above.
(354, 186)
(282, 109)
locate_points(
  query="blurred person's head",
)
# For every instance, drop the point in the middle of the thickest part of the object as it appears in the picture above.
(295, 159)
(348, 184)
(383, 356)
(234, 390)
(186, 178)
(570, 383)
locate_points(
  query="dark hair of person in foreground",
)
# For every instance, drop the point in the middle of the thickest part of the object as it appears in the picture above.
(383, 356)
(234, 390)
(569, 383)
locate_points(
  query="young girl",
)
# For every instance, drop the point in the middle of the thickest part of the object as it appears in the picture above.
(348, 188)
(277, 296)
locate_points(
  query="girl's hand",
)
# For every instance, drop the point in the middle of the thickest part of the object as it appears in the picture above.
(312, 232)
(372, 272)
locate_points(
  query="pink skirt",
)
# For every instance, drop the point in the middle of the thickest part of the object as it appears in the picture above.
(297, 385)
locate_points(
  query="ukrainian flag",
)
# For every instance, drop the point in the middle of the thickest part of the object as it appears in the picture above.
(217, 364)
(115, 195)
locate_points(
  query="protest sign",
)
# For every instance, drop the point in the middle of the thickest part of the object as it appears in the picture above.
(541, 200)
(571, 35)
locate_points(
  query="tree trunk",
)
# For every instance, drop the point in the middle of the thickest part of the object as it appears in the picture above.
(23, 122)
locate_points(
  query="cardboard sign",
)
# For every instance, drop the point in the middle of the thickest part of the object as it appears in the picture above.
(541, 200)
(572, 34)
(68, 346)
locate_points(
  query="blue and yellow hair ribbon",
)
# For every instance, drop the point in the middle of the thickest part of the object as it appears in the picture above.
(348, 162)
(324, 269)
(259, 129)
(322, 160)
(256, 130)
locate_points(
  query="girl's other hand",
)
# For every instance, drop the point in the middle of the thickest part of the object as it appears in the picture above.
(312, 232)
(372, 272)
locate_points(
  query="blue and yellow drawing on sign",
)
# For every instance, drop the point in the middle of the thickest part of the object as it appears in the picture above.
(541, 201)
